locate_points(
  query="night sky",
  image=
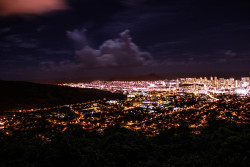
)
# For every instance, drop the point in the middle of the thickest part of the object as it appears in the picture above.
(64, 40)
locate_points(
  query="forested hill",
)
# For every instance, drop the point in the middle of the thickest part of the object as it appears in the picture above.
(24, 95)
(218, 145)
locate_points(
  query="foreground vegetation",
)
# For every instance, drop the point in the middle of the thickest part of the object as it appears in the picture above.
(218, 144)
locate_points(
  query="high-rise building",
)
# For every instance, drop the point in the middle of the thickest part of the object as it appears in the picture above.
(177, 84)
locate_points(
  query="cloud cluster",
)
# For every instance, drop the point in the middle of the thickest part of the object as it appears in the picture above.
(120, 52)
(113, 53)
(78, 36)
(16, 7)
(113, 58)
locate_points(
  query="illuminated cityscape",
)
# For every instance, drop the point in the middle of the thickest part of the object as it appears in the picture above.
(212, 85)
(151, 106)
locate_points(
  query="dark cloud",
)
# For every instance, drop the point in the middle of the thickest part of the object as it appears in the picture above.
(49, 51)
(114, 53)
(5, 30)
(78, 36)
(21, 41)
(226, 59)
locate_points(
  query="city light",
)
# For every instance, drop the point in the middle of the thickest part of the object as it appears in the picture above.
(149, 106)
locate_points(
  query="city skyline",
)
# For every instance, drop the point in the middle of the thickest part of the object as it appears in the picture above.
(147, 106)
(203, 85)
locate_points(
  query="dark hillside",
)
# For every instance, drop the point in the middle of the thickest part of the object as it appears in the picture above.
(23, 95)
(220, 144)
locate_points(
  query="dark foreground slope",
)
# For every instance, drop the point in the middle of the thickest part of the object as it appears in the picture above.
(218, 145)
(25, 95)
